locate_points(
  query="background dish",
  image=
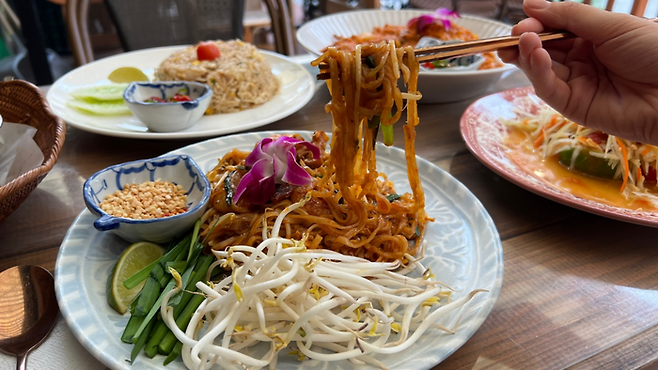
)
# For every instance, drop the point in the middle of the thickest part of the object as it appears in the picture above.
(464, 250)
(297, 88)
(436, 86)
(483, 132)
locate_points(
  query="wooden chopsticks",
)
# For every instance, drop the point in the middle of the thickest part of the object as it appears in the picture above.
(466, 48)
(469, 48)
(480, 46)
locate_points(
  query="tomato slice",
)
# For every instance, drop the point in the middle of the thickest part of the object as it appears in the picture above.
(181, 98)
(207, 51)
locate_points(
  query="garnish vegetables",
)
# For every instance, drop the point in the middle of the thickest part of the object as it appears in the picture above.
(587, 150)
(145, 329)
(207, 51)
(442, 15)
(273, 161)
(313, 304)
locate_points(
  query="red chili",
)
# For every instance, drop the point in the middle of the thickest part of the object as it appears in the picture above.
(181, 98)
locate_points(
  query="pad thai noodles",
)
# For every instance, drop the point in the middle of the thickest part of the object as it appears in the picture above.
(353, 208)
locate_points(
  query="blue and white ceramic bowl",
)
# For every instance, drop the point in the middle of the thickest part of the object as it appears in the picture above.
(171, 116)
(179, 169)
(457, 64)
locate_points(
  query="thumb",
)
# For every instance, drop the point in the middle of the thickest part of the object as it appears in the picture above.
(586, 21)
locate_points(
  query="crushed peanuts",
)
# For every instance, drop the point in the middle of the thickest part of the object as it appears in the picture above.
(151, 199)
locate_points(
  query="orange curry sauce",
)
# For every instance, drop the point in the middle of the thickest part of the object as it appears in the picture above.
(549, 170)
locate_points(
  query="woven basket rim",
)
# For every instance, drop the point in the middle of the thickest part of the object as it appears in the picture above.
(51, 158)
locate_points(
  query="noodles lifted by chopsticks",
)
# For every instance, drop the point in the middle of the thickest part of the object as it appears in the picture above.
(353, 209)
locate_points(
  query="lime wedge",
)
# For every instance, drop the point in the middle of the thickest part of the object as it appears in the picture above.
(127, 74)
(134, 258)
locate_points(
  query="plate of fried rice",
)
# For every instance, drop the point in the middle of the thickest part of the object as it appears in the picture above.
(251, 88)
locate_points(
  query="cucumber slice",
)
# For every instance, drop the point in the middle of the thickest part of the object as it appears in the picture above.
(101, 108)
(101, 92)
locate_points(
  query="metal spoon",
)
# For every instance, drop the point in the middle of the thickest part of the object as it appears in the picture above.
(28, 310)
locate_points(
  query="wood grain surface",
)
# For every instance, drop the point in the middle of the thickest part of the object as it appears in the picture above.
(579, 290)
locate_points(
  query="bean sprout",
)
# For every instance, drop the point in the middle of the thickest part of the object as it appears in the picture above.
(330, 306)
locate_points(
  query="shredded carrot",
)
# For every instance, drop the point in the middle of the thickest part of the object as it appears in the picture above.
(625, 158)
(553, 121)
(639, 174)
(646, 150)
(540, 139)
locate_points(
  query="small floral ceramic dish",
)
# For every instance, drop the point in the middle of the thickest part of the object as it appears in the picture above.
(456, 64)
(148, 200)
(169, 105)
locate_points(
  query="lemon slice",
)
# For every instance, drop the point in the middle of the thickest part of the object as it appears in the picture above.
(134, 258)
(127, 74)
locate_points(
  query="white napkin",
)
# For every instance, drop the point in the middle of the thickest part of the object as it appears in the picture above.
(18, 151)
(59, 351)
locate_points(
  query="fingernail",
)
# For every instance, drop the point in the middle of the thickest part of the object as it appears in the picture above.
(537, 4)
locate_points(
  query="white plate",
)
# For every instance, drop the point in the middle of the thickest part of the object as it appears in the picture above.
(464, 251)
(297, 88)
(437, 86)
(319, 33)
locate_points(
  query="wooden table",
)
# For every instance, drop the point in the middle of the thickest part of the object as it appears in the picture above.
(579, 290)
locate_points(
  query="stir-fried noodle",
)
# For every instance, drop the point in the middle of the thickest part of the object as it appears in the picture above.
(354, 209)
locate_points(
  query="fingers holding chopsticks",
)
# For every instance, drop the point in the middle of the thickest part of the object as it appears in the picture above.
(605, 77)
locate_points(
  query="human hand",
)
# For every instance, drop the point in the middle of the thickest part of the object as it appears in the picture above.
(606, 78)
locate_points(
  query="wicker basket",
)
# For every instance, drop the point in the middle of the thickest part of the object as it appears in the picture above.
(22, 102)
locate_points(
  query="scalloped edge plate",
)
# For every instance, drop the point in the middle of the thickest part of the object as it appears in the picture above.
(483, 133)
(464, 250)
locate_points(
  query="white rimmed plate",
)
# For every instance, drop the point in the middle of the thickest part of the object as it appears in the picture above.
(464, 251)
(436, 86)
(297, 88)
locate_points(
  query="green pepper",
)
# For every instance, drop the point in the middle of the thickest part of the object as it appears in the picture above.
(393, 197)
(370, 61)
(587, 164)
(440, 63)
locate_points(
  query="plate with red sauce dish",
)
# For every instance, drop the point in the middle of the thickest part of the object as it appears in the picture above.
(297, 87)
(483, 131)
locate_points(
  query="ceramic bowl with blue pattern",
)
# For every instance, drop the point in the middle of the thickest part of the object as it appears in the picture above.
(179, 169)
(456, 64)
(168, 116)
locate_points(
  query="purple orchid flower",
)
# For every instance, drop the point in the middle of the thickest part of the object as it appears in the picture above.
(442, 15)
(273, 162)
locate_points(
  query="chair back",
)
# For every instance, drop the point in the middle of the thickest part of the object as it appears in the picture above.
(638, 7)
(151, 23)
(77, 12)
(335, 6)
(282, 26)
